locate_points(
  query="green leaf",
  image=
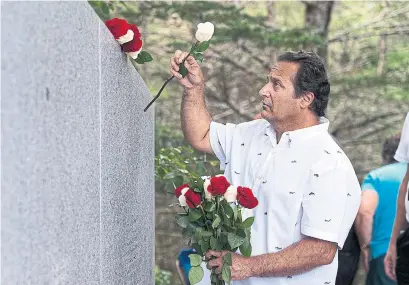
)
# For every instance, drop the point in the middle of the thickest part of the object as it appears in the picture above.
(195, 274)
(198, 249)
(169, 175)
(245, 249)
(209, 207)
(182, 70)
(206, 234)
(143, 57)
(195, 259)
(183, 221)
(194, 215)
(234, 240)
(213, 243)
(226, 273)
(198, 56)
(204, 245)
(197, 190)
(202, 46)
(227, 208)
(216, 221)
(198, 232)
(227, 259)
(247, 223)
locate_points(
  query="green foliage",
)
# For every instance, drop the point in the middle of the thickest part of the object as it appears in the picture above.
(162, 277)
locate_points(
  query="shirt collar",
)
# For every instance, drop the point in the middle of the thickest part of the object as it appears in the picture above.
(293, 137)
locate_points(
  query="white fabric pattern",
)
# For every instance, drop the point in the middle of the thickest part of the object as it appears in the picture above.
(305, 185)
(402, 155)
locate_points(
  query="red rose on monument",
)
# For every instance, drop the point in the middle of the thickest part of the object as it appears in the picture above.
(118, 27)
(133, 48)
(246, 198)
(218, 185)
(193, 199)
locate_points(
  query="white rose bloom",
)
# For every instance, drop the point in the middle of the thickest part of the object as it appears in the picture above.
(126, 38)
(207, 193)
(182, 198)
(204, 31)
(231, 194)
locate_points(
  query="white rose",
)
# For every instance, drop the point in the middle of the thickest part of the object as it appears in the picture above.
(126, 38)
(182, 198)
(207, 193)
(204, 31)
(231, 194)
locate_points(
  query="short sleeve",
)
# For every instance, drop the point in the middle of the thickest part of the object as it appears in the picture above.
(402, 153)
(330, 204)
(369, 182)
(221, 137)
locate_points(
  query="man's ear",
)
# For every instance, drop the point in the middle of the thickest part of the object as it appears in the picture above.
(307, 99)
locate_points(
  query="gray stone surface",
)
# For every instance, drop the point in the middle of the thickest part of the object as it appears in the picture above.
(77, 184)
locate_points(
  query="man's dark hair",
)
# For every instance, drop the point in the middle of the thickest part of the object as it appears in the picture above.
(311, 77)
(389, 148)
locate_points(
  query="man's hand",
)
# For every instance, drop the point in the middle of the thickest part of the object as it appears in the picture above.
(194, 77)
(240, 268)
(390, 262)
(365, 258)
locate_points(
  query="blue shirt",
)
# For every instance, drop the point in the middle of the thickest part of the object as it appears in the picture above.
(385, 181)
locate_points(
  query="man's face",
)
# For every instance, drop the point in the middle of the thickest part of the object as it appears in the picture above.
(279, 102)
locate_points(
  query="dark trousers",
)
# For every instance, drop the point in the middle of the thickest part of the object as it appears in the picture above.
(402, 262)
(347, 267)
(376, 274)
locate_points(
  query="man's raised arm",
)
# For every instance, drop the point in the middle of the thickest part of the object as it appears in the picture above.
(194, 116)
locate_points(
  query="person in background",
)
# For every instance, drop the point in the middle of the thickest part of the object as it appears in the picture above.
(397, 257)
(376, 214)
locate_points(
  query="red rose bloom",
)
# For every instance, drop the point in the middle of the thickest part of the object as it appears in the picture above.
(178, 191)
(135, 30)
(246, 198)
(118, 27)
(132, 46)
(193, 199)
(218, 185)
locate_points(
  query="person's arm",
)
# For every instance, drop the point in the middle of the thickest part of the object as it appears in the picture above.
(364, 219)
(194, 115)
(298, 258)
(400, 218)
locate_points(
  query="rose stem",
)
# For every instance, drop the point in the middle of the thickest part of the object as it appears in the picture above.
(168, 80)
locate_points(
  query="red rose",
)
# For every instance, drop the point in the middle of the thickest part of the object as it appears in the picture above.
(246, 198)
(193, 199)
(132, 46)
(218, 185)
(118, 27)
(135, 31)
(178, 191)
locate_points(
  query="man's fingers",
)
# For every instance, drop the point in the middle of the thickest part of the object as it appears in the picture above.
(173, 64)
(209, 254)
(182, 56)
(176, 74)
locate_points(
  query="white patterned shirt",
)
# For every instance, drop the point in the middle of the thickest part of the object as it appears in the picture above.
(305, 184)
(402, 155)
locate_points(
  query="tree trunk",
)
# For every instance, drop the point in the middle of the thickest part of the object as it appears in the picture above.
(318, 18)
(382, 53)
(271, 14)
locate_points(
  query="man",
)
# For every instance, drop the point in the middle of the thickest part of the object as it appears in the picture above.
(377, 212)
(307, 189)
(397, 258)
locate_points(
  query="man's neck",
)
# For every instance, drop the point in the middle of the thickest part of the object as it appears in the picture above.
(294, 124)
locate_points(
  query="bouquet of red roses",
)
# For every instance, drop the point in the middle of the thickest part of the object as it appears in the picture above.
(212, 219)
